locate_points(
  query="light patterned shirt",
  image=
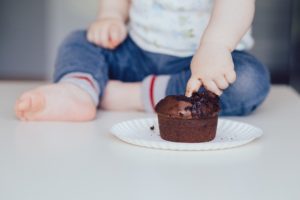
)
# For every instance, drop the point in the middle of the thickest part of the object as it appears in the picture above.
(173, 27)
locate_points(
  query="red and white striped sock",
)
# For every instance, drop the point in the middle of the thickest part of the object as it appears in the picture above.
(153, 90)
(86, 82)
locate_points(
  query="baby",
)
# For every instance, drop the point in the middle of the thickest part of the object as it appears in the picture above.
(137, 52)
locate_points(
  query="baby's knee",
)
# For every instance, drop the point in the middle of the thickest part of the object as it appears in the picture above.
(77, 40)
(251, 87)
(251, 96)
(78, 36)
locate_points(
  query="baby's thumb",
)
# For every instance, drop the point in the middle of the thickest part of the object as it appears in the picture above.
(114, 35)
(193, 85)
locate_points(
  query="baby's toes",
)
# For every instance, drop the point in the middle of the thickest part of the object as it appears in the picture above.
(37, 101)
(24, 103)
(22, 106)
(19, 113)
(30, 102)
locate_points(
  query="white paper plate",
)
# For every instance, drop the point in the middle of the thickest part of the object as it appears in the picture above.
(229, 134)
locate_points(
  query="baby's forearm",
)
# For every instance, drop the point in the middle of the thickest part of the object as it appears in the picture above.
(113, 9)
(229, 21)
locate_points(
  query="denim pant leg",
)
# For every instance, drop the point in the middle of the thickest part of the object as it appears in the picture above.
(244, 95)
(76, 54)
(126, 63)
(250, 88)
(130, 63)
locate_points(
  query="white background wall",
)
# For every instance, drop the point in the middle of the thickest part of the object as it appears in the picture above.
(63, 17)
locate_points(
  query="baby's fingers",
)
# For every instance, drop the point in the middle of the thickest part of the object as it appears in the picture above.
(212, 86)
(89, 36)
(193, 85)
(114, 36)
(221, 82)
(103, 37)
(230, 76)
(93, 36)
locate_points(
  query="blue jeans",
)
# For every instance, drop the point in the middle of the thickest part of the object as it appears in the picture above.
(129, 63)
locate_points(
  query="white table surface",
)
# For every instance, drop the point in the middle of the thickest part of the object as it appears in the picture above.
(52, 160)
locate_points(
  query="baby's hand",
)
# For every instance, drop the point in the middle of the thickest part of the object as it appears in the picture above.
(107, 33)
(212, 67)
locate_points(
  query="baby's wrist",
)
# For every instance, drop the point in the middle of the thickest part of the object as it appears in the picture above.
(218, 44)
(106, 16)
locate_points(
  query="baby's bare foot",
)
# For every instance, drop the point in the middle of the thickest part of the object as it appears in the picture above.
(55, 102)
(122, 96)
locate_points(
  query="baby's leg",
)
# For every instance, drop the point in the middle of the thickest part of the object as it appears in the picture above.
(122, 96)
(72, 97)
(244, 95)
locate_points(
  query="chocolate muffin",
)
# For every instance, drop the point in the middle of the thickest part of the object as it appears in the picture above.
(188, 119)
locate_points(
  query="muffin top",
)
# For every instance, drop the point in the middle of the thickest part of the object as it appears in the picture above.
(199, 105)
